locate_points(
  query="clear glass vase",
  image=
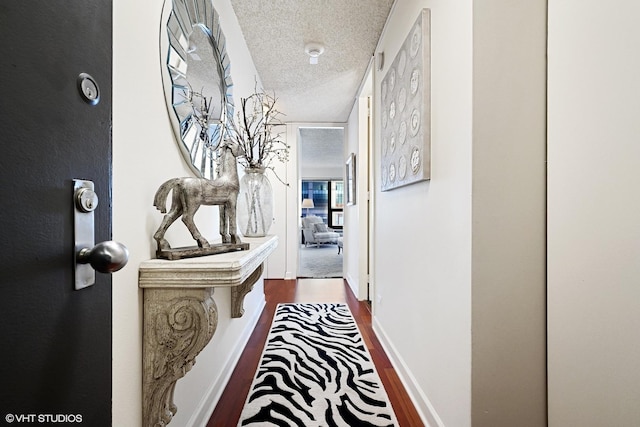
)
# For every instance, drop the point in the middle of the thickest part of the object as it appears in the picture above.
(255, 203)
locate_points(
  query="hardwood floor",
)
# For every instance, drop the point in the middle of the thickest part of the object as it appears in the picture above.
(227, 412)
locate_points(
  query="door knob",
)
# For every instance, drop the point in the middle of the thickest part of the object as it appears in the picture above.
(105, 257)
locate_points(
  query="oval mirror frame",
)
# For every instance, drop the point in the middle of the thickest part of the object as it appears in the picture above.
(196, 76)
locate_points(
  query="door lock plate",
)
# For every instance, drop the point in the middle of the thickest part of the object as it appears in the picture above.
(85, 202)
(105, 257)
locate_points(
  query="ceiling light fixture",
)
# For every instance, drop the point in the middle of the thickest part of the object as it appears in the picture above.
(314, 50)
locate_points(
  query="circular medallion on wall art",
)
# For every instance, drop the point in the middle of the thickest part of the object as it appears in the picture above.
(384, 146)
(392, 110)
(414, 121)
(402, 63)
(392, 143)
(392, 172)
(416, 40)
(392, 79)
(384, 176)
(402, 167)
(385, 117)
(414, 82)
(402, 99)
(383, 89)
(415, 160)
(402, 133)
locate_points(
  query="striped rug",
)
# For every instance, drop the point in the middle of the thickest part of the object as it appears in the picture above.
(315, 370)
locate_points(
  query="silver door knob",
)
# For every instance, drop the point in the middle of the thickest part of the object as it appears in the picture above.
(105, 257)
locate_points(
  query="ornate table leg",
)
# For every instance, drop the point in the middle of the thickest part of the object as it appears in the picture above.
(178, 324)
(239, 292)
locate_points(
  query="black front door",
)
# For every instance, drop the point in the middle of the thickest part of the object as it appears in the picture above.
(55, 361)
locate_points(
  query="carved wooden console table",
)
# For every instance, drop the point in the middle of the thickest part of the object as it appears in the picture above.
(180, 315)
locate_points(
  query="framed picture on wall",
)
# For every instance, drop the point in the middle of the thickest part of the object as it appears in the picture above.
(406, 111)
(350, 181)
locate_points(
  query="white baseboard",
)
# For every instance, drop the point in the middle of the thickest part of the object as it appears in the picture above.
(207, 405)
(425, 409)
(354, 288)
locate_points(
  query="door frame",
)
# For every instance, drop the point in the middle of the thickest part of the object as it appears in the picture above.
(296, 127)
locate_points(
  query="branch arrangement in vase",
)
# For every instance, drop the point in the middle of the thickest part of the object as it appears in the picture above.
(255, 132)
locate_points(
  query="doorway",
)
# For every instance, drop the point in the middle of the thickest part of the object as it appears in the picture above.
(321, 201)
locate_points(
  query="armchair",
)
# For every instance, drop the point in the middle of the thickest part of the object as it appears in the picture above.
(316, 231)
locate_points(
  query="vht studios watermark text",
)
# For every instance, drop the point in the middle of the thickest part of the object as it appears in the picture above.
(43, 418)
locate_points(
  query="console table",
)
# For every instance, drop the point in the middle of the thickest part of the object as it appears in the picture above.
(180, 315)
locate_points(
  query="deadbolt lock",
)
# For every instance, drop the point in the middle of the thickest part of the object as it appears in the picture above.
(86, 199)
(88, 88)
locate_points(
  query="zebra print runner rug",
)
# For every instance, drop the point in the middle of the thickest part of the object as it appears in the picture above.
(315, 370)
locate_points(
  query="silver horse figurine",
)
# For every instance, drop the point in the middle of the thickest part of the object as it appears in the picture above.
(190, 193)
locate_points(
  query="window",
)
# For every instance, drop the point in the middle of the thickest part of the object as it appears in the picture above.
(328, 201)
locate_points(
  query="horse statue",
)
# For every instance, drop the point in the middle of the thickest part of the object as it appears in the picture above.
(190, 193)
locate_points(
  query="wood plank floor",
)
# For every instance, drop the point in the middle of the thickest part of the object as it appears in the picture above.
(227, 412)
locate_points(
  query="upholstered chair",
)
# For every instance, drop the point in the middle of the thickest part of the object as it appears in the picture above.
(316, 231)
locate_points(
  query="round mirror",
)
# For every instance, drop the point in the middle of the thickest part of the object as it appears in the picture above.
(196, 79)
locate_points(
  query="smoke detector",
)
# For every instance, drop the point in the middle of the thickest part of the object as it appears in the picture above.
(314, 50)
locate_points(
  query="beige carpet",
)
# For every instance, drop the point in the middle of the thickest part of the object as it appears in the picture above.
(320, 262)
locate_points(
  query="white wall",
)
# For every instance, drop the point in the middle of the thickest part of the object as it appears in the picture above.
(422, 232)
(594, 211)
(145, 154)
(284, 190)
(355, 239)
(459, 260)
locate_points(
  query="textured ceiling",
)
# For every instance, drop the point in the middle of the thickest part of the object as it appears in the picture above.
(276, 32)
(321, 148)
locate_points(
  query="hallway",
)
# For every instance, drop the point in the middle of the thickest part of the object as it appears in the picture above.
(230, 405)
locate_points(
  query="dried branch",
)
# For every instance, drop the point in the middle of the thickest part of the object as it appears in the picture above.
(255, 132)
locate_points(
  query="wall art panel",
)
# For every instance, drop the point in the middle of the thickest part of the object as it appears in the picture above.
(406, 110)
